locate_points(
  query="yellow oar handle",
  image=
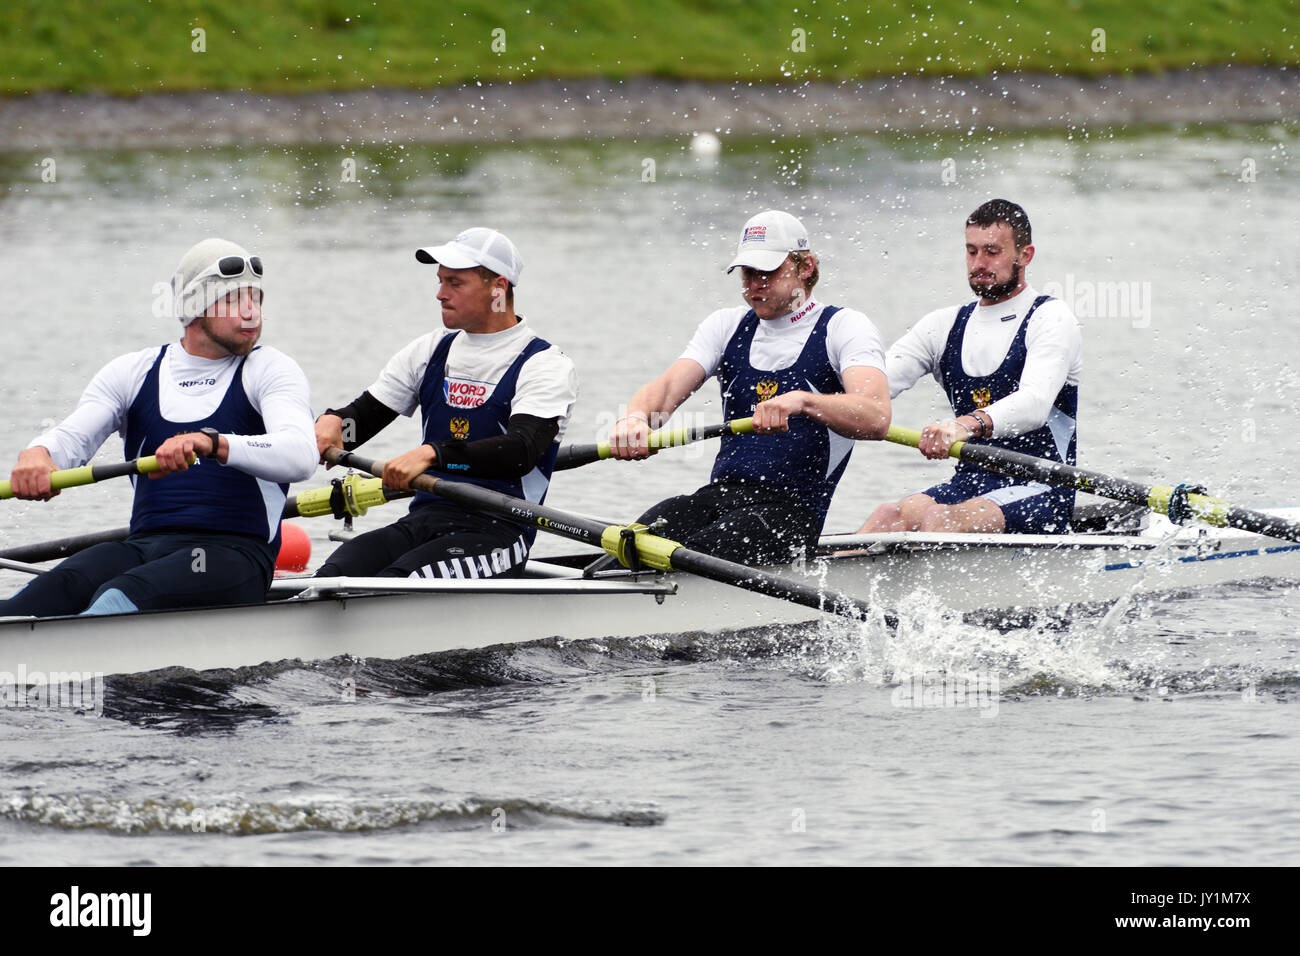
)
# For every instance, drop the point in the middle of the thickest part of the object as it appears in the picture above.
(672, 437)
(911, 437)
(89, 474)
(675, 437)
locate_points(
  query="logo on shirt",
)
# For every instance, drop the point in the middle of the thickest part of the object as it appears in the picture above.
(754, 234)
(197, 381)
(1007, 318)
(459, 393)
(460, 428)
(983, 397)
(766, 389)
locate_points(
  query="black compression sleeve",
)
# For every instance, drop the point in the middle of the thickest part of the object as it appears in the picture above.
(368, 415)
(511, 455)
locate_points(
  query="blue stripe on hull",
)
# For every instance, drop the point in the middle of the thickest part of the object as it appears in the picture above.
(1253, 552)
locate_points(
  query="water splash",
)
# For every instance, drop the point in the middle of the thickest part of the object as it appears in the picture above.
(234, 815)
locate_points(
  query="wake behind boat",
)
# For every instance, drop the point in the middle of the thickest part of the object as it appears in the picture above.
(570, 598)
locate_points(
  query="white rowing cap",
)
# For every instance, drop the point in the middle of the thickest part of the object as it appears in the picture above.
(767, 239)
(477, 247)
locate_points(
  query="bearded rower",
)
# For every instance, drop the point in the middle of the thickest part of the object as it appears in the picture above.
(1010, 364)
(811, 375)
(204, 533)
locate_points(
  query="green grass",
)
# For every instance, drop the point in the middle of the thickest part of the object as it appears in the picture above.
(128, 46)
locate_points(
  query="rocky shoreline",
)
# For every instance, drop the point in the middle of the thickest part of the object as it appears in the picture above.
(575, 109)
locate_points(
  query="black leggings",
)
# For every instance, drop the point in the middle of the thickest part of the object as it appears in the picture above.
(749, 524)
(433, 542)
(156, 572)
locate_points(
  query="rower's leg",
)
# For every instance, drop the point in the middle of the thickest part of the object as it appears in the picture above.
(886, 517)
(758, 534)
(905, 515)
(683, 514)
(976, 516)
(70, 587)
(368, 554)
(433, 542)
(205, 571)
(464, 554)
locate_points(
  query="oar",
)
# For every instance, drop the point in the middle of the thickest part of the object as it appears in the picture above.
(20, 566)
(633, 545)
(89, 474)
(574, 456)
(352, 495)
(1185, 503)
(62, 547)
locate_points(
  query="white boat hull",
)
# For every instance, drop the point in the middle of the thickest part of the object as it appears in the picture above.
(387, 618)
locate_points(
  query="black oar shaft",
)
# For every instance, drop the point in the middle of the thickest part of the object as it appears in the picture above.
(1055, 473)
(51, 550)
(1123, 489)
(1157, 497)
(621, 541)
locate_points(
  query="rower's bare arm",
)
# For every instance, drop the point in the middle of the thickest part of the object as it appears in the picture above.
(31, 476)
(862, 411)
(651, 406)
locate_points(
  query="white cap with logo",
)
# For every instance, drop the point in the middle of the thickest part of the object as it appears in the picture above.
(767, 239)
(477, 247)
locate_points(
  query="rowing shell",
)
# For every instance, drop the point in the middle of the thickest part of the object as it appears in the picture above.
(320, 618)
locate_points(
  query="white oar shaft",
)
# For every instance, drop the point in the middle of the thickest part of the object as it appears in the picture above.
(23, 566)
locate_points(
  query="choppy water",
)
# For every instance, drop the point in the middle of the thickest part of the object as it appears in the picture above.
(1165, 735)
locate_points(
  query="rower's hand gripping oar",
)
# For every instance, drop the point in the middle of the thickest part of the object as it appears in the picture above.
(574, 456)
(89, 474)
(633, 545)
(1179, 503)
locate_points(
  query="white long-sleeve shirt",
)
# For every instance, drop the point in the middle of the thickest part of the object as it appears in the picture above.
(1052, 339)
(190, 388)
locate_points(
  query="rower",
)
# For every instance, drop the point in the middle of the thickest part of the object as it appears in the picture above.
(494, 398)
(230, 424)
(1010, 363)
(811, 375)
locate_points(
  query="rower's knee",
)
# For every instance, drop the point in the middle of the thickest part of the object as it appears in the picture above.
(970, 517)
(887, 517)
(937, 518)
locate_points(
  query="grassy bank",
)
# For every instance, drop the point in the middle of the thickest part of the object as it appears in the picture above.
(126, 46)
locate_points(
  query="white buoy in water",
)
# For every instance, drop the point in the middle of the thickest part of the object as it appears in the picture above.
(706, 145)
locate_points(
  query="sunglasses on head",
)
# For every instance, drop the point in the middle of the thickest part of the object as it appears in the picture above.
(227, 267)
(230, 266)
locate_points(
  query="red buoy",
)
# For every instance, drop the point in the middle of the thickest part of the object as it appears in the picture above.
(295, 548)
